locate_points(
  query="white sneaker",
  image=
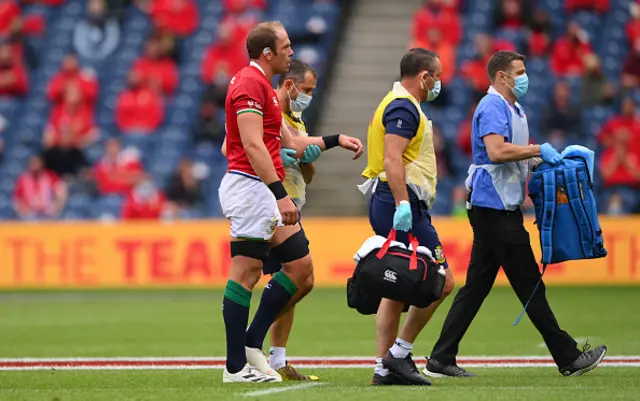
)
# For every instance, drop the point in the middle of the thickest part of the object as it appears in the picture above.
(248, 374)
(257, 358)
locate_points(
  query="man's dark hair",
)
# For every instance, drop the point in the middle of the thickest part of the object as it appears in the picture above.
(297, 71)
(262, 36)
(416, 60)
(501, 61)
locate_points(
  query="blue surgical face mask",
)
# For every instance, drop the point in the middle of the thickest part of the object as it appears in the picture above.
(301, 103)
(521, 85)
(435, 91)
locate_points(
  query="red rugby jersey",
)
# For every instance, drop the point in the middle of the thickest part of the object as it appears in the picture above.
(251, 92)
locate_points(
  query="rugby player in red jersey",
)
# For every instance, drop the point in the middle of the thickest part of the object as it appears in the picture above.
(255, 202)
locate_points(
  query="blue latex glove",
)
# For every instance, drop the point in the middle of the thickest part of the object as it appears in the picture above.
(311, 154)
(549, 154)
(287, 160)
(402, 219)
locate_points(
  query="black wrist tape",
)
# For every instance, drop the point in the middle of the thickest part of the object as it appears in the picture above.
(330, 141)
(278, 190)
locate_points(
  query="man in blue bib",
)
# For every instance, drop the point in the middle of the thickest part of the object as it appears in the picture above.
(496, 187)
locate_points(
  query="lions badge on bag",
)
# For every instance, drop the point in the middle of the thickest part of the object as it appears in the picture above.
(438, 254)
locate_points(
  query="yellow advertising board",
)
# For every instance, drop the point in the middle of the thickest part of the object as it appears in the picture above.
(196, 254)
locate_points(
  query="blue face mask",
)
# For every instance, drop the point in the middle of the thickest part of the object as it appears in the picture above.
(301, 103)
(522, 85)
(435, 91)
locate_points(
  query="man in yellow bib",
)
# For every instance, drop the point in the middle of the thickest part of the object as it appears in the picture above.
(401, 173)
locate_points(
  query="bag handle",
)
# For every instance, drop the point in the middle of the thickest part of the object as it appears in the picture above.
(413, 262)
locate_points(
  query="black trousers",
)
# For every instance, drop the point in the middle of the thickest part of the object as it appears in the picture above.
(500, 239)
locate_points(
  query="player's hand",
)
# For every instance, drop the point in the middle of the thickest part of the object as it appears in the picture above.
(549, 154)
(402, 218)
(285, 154)
(311, 154)
(351, 143)
(288, 211)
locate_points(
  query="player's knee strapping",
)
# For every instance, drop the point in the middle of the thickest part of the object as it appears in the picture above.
(293, 248)
(250, 249)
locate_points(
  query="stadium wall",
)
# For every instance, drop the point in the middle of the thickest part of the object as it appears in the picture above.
(195, 254)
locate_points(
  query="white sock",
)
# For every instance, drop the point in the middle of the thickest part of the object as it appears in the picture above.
(379, 369)
(401, 348)
(277, 357)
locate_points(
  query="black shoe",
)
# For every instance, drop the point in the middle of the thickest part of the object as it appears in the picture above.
(390, 379)
(437, 369)
(587, 361)
(406, 369)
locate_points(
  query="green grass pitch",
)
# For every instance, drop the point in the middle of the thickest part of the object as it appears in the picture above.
(189, 324)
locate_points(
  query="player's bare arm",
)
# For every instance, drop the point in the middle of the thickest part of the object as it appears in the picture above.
(326, 142)
(500, 151)
(394, 148)
(223, 148)
(250, 126)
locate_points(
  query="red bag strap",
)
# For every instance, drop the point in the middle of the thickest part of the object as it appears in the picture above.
(385, 247)
(413, 263)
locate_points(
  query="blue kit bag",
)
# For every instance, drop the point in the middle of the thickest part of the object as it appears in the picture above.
(565, 209)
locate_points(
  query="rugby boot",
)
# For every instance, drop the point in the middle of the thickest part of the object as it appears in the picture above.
(391, 379)
(288, 372)
(406, 369)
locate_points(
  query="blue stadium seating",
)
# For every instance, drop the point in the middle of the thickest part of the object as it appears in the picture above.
(163, 150)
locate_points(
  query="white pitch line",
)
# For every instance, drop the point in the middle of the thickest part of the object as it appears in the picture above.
(280, 389)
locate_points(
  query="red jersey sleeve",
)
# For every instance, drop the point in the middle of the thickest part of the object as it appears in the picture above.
(249, 96)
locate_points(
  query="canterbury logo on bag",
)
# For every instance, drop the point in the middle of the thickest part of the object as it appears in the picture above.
(390, 276)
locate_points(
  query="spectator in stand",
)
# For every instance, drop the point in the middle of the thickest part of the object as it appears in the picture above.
(633, 26)
(160, 71)
(444, 49)
(226, 54)
(627, 121)
(438, 14)
(39, 193)
(568, 51)
(242, 15)
(512, 14)
(139, 108)
(167, 42)
(241, 6)
(118, 170)
(73, 118)
(71, 74)
(620, 168)
(631, 69)
(596, 88)
(601, 6)
(10, 21)
(13, 76)
(97, 35)
(145, 202)
(561, 120)
(184, 191)
(180, 17)
(475, 71)
(539, 37)
(65, 158)
(210, 127)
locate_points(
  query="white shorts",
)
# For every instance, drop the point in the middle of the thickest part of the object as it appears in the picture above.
(250, 207)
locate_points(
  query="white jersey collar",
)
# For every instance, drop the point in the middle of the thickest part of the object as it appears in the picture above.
(256, 65)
